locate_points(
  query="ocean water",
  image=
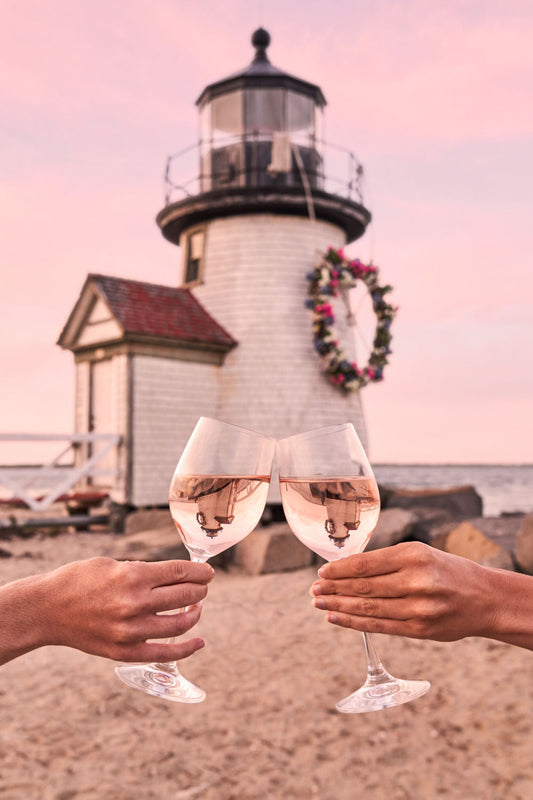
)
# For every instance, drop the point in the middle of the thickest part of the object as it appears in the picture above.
(503, 487)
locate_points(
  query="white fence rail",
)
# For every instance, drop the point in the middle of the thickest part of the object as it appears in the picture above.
(53, 479)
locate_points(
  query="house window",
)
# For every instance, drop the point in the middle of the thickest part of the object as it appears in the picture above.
(194, 256)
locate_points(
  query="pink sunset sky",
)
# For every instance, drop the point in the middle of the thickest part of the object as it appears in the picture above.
(434, 98)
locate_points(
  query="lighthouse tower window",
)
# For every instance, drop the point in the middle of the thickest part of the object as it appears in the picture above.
(194, 257)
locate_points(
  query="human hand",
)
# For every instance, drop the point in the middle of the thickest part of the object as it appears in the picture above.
(111, 608)
(412, 590)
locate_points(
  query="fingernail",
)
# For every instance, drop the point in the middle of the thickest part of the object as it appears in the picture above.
(319, 602)
(316, 588)
(321, 570)
(333, 618)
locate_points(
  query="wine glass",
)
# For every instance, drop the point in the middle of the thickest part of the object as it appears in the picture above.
(217, 495)
(331, 500)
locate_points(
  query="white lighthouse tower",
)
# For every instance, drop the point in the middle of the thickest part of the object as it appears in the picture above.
(250, 234)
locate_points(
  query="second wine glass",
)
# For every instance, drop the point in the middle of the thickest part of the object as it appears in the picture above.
(331, 500)
(217, 495)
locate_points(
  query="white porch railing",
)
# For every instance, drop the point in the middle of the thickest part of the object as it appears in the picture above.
(50, 481)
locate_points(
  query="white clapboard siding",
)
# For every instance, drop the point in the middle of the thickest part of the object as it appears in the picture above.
(168, 397)
(255, 285)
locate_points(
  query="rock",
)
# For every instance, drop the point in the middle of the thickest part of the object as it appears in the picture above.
(271, 548)
(117, 517)
(462, 501)
(502, 530)
(436, 535)
(155, 544)
(6, 527)
(147, 519)
(158, 544)
(431, 522)
(524, 545)
(468, 541)
(394, 525)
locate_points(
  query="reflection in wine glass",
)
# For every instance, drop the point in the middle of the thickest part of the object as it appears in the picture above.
(331, 501)
(217, 495)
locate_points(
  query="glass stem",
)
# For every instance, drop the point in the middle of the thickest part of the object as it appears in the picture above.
(172, 666)
(376, 673)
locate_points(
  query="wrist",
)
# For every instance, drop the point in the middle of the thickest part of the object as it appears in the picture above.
(510, 599)
(22, 617)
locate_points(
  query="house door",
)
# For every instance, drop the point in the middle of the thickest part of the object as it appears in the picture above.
(101, 420)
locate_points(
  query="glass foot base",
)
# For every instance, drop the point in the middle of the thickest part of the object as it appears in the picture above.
(167, 685)
(386, 694)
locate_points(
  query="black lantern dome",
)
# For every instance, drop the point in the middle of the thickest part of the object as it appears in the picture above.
(252, 116)
(260, 73)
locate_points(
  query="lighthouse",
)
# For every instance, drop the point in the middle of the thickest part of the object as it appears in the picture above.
(253, 206)
(250, 235)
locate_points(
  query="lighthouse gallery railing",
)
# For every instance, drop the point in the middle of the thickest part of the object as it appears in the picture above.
(246, 161)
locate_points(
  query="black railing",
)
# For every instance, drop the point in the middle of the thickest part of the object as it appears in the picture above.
(247, 162)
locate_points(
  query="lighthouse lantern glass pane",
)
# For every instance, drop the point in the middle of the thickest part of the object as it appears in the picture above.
(319, 125)
(300, 114)
(227, 115)
(205, 123)
(263, 110)
(205, 148)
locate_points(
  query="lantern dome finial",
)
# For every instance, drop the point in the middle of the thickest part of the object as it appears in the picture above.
(260, 40)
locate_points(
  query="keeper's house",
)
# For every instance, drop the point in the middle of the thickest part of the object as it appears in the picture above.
(146, 358)
(234, 341)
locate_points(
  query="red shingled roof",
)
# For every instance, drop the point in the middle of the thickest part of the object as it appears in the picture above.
(149, 309)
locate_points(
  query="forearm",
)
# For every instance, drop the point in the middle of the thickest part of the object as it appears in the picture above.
(22, 614)
(511, 601)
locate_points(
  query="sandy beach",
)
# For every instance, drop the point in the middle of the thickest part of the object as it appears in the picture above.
(273, 670)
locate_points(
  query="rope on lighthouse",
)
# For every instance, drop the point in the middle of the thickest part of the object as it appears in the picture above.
(281, 161)
(309, 200)
(305, 182)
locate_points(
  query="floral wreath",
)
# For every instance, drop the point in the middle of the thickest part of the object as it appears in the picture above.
(337, 273)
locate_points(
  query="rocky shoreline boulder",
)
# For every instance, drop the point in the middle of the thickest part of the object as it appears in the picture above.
(461, 502)
(523, 552)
